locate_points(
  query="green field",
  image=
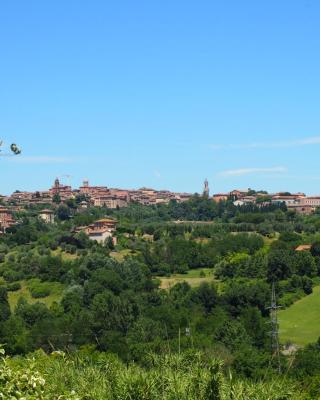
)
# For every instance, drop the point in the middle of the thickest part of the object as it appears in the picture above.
(193, 277)
(300, 323)
(55, 296)
(122, 254)
(65, 256)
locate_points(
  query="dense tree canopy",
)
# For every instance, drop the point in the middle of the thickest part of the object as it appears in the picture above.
(82, 293)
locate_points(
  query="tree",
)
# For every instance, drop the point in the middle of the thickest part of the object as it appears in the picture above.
(63, 212)
(206, 295)
(15, 335)
(111, 313)
(279, 265)
(56, 198)
(31, 313)
(232, 334)
(71, 203)
(307, 361)
(307, 285)
(305, 264)
(4, 304)
(109, 243)
(255, 326)
(315, 249)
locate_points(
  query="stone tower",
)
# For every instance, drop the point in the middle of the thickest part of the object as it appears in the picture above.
(206, 188)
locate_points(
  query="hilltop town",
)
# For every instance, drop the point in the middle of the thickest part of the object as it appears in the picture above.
(115, 198)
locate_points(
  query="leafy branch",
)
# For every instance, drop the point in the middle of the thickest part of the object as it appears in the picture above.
(13, 150)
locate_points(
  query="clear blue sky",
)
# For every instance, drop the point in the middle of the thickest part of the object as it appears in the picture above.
(161, 93)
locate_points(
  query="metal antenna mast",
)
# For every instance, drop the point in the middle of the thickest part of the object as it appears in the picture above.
(275, 327)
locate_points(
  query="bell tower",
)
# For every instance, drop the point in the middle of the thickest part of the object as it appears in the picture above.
(85, 183)
(206, 188)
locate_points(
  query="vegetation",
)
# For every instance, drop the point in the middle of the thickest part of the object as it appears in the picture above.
(193, 277)
(190, 282)
(54, 290)
(188, 376)
(300, 323)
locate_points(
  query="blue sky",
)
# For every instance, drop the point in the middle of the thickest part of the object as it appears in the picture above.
(161, 94)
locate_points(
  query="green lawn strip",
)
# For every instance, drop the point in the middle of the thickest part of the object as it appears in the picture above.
(65, 256)
(121, 254)
(192, 277)
(300, 323)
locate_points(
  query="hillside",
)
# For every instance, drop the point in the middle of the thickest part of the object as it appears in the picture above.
(300, 323)
(163, 288)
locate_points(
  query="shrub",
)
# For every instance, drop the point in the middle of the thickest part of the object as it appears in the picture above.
(291, 297)
(13, 287)
(103, 377)
(25, 383)
(39, 289)
(12, 276)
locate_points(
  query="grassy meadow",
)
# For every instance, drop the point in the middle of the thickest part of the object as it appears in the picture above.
(300, 323)
(55, 295)
(193, 277)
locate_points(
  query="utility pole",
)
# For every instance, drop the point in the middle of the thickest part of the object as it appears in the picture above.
(275, 348)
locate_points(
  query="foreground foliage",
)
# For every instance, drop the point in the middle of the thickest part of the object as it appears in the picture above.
(104, 377)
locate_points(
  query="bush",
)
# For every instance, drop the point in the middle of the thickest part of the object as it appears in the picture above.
(13, 287)
(25, 383)
(187, 376)
(12, 276)
(291, 297)
(39, 289)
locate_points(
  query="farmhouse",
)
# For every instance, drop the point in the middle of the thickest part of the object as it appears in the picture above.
(47, 216)
(220, 197)
(100, 230)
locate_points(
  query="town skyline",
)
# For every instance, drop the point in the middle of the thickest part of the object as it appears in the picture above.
(68, 180)
(87, 196)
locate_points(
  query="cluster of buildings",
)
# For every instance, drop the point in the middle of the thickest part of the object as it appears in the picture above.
(299, 202)
(6, 219)
(102, 196)
(99, 196)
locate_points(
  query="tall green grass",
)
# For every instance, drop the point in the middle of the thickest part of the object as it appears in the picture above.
(104, 377)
